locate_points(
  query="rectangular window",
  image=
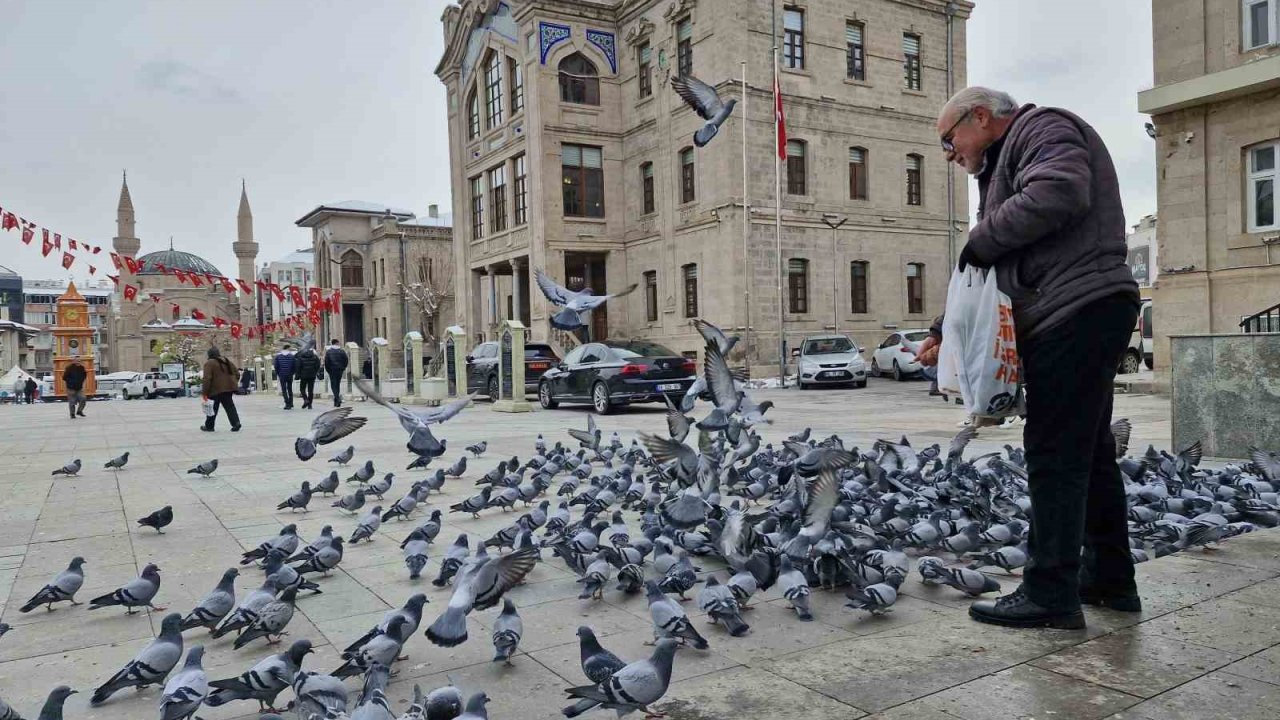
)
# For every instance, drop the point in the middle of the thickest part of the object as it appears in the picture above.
(795, 167)
(915, 288)
(690, 290)
(684, 47)
(498, 198)
(911, 60)
(1263, 171)
(477, 207)
(473, 116)
(855, 52)
(857, 173)
(651, 295)
(642, 72)
(858, 286)
(798, 286)
(646, 188)
(793, 38)
(1259, 21)
(914, 166)
(687, 192)
(520, 195)
(516, 73)
(493, 90)
(582, 170)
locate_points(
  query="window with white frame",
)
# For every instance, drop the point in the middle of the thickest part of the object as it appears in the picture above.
(1263, 176)
(1258, 23)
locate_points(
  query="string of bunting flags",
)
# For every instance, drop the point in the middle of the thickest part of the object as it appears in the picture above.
(315, 300)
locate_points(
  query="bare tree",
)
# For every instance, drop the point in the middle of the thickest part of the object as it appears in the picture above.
(428, 295)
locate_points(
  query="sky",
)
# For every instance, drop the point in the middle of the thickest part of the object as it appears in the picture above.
(314, 101)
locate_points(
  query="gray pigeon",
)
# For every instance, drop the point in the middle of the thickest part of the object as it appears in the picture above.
(345, 456)
(286, 541)
(507, 630)
(453, 559)
(327, 427)
(969, 582)
(158, 519)
(417, 422)
(443, 703)
(151, 665)
(415, 552)
(247, 611)
(215, 606)
(574, 304)
(138, 592)
(299, 500)
(669, 619)
(271, 621)
(475, 709)
(719, 603)
(794, 588)
(635, 687)
(351, 503)
(363, 473)
(52, 709)
(706, 102)
(479, 448)
(598, 664)
(368, 525)
(185, 692)
(63, 588)
(204, 469)
(480, 583)
(380, 487)
(329, 485)
(412, 614)
(382, 649)
(325, 559)
(322, 541)
(117, 463)
(264, 681)
(322, 696)
(71, 469)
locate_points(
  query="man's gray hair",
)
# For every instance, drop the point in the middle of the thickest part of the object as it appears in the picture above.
(998, 102)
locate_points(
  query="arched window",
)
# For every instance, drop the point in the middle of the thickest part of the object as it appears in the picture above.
(473, 116)
(579, 80)
(493, 90)
(352, 269)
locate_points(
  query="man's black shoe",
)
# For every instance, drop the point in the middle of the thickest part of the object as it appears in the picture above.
(80, 413)
(235, 429)
(1018, 610)
(206, 428)
(1124, 602)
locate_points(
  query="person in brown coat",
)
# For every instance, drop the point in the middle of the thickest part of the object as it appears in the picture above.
(220, 387)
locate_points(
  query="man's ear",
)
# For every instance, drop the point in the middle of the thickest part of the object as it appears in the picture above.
(981, 117)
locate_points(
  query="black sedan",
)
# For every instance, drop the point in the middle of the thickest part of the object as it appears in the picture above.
(613, 373)
(482, 367)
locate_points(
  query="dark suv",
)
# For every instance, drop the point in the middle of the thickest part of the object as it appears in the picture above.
(482, 367)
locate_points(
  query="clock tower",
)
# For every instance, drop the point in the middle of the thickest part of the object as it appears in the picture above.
(73, 340)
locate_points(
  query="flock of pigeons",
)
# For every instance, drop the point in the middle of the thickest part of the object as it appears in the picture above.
(806, 515)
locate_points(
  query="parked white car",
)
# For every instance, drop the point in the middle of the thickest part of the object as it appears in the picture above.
(897, 354)
(153, 384)
(113, 383)
(830, 360)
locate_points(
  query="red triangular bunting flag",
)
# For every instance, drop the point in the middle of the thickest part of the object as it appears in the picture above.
(226, 285)
(245, 287)
(92, 269)
(155, 297)
(115, 279)
(335, 302)
(251, 333)
(219, 322)
(46, 246)
(67, 260)
(133, 265)
(9, 221)
(195, 279)
(57, 240)
(162, 269)
(275, 290)
(173, 307)
(182, 277)
(195, 313)
(96, 249)
(295, 294)
(71, 244)
(28, 233)
(115, 259)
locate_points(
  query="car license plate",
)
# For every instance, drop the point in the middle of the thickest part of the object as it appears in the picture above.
(832, 373)
(668, 387)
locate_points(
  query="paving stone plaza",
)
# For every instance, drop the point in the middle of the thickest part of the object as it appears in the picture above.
(1205, 644)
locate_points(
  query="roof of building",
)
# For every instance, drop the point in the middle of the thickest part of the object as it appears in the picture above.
(176, 260)
(6, 272)
(189, 322)
(444, 220)
(305, 255)
(360, 207)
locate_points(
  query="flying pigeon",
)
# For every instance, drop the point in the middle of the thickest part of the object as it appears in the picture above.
(138, 592)
(186, 691)
(151, 665)
(71, 469)
(117, 463)
(417, 423)
(706, 102)
(574, 303)
(507, 630)
(158, 519)
(345, 456)
(204, 469)
(634, 687)
(480, 583)
(329, 426)
(63, 588)
(215, 606)
(264, 681)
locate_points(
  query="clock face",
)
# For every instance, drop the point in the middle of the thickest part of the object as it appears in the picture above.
(74, 344)
(73, 314)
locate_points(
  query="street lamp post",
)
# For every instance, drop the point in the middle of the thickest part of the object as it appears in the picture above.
(829, 219)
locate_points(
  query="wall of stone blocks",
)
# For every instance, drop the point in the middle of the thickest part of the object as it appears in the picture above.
(1226, 393)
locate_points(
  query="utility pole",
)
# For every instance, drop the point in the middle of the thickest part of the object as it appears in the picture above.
(829, 220)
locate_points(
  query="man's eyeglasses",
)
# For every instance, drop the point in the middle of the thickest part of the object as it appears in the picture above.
(946, 137)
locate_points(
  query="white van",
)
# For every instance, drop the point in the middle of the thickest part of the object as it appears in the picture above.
(1139, 351)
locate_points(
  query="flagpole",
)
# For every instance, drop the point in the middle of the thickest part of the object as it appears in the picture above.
(777, 216)
(746, 229)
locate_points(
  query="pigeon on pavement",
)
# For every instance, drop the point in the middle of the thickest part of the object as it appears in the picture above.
(71, 469)
(52, 708)
(215, 606)
(350, 503)
(320, 696)
(117, 463)
(63, 588)
(186, 691)
(138, 592)
(453, 559)
(329, 485)
(444, 703)
(329, 426)
(479, 448)
(204, 469)
(507, 630)
(380, 487)
(411, 612)
(271, 620)
(367, 526)
(381, 649)
(475, 708)
(264, 681)
(706, 102)
(363, 473)
(574, 304)
(286, 541)
(158, 519)
(324, 560)
(321, 541)
(415, 552)
(795, 588)
(345, 456)
(481, 582)
(719, 603)
(151, 665)
(299, 500)
(669, 619)
(247, 611)
(634, 687)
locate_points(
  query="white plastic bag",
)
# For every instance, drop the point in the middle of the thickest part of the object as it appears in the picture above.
(208, 406)
(979, 353)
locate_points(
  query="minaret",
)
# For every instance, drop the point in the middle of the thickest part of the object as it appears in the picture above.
(125, 241)
(246, 251)
(124, 344)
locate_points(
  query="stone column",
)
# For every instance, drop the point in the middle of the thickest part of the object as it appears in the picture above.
(413, 372)
(517, 276)
(381, 357)
(456, 360)
(492, 269)
(511, 369)
(353, 365)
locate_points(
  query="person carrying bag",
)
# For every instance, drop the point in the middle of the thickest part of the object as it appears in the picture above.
(219, 389)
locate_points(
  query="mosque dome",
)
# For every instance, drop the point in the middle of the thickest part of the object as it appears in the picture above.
(175, 260)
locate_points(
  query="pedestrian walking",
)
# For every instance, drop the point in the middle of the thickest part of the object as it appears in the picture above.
(246, 379)
(1051, 227)
(30, 388)
(220, 387)
(285, 364)
(73, 378)
(335, 364)
(19, 391)
(308, 367)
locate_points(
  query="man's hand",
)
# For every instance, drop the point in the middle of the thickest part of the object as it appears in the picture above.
(928, 353)
(969, 257)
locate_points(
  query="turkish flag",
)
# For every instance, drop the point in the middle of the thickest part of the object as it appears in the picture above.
(182, 277)
(227, 285)
(57, 240)
(251, 333)
(195, 279)
(115, 260)
(71, 243)
(335, 302)
(245, 287)
(9, 221)
(28, 234)
(130, 292)
(155, 297)
(162, 268)
(173, 307)
(195, 313)
(236, 329)
(92, 270)
(219, 322)
(115, 279)
(275, 290)
(96, 249)
(67, 260)
(779, 118)
(314, 296)
(47, 247)
(295, 294)
(133, 265)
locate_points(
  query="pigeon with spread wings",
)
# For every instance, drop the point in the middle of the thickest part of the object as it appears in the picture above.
(706, 102)
(573, 303)
(417, 422)
(327, 427)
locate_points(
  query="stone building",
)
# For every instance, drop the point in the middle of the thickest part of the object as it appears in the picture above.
(141, 326)
(570, 152)
(298, 269)
(1216, 111)
(382, 258)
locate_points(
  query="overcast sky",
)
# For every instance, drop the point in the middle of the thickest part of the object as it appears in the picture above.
(319, 100)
